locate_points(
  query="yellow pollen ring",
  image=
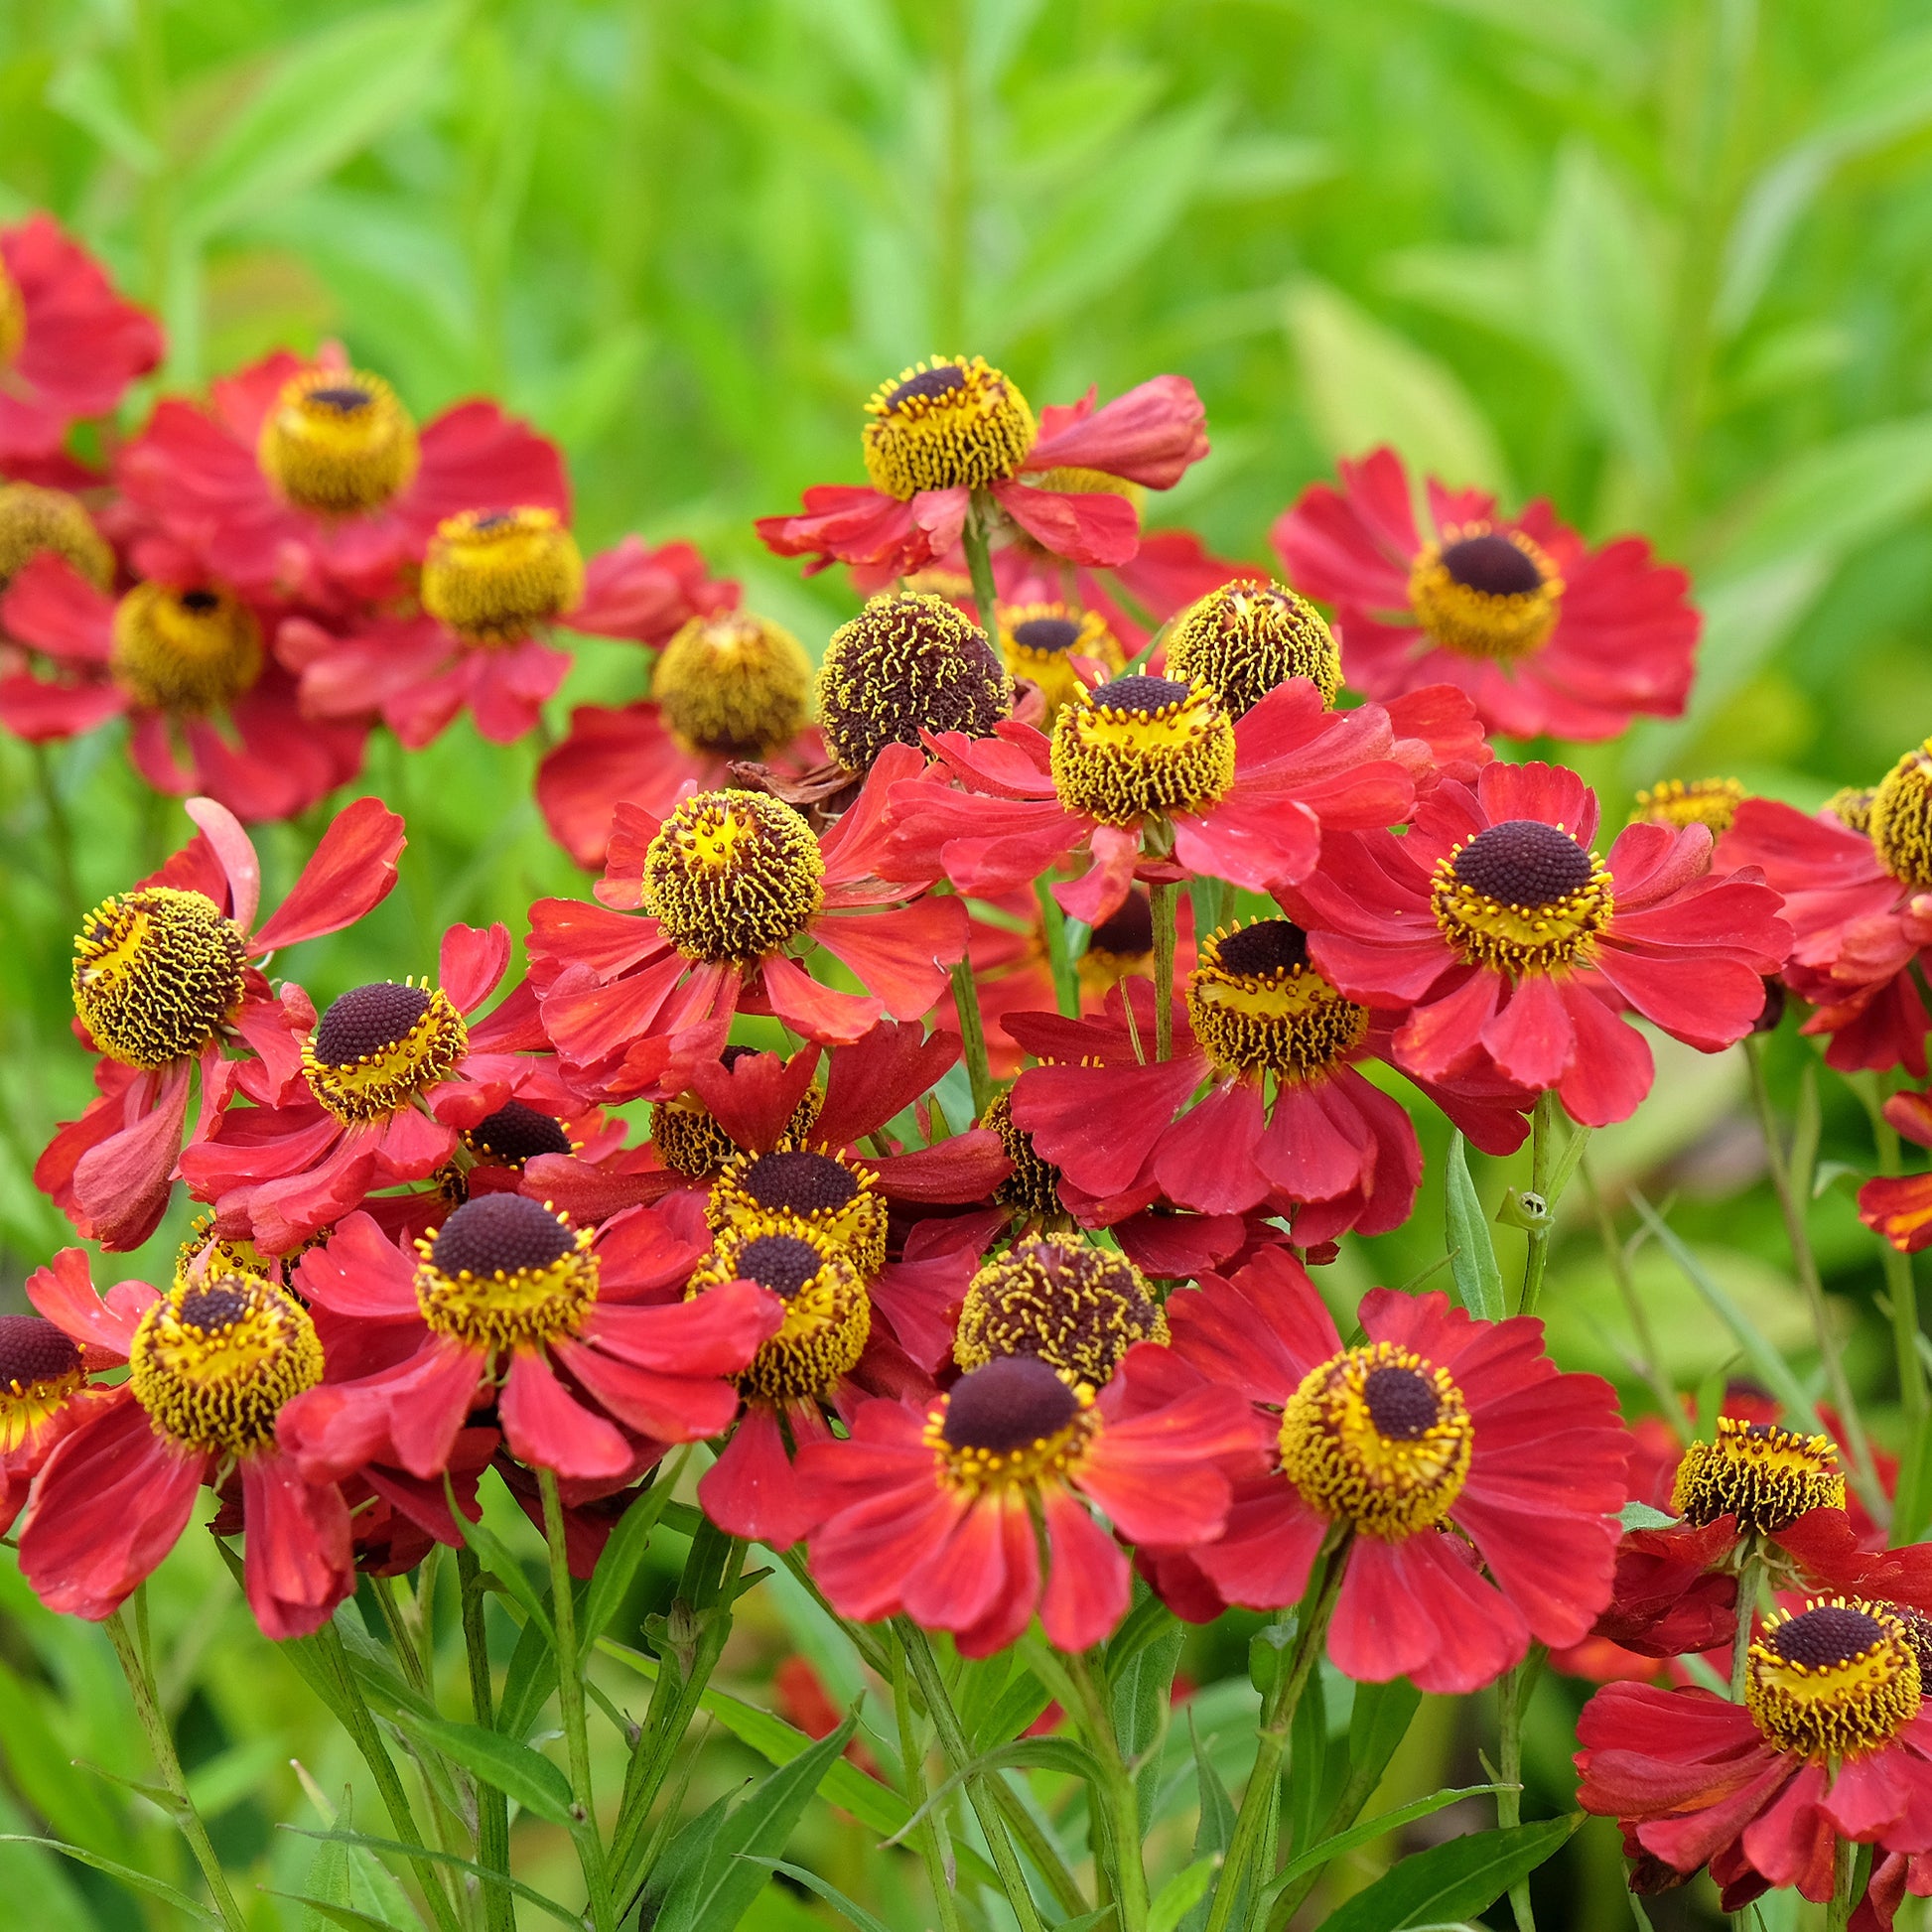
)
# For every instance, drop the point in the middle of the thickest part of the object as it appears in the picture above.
(734, 685)
(390, 1076)
(1289, 1021)
(1048, 1458)
(953, 421)
(828, 1316)
(855, 1225)
(1121, 764)
(215, 1360)
(494, 576)
(1765, 1476)
(34, 520)
(1839, 1707)
(1694, 802)
(27, 1405)
(733, 875)
(688, 1137)
(1483, 624)
(337, 441)
(1084, 633)
(511, 1308)
(156, 972)
(188, 651)
(1515, 938)
(1900, 819)
(1337, 1455)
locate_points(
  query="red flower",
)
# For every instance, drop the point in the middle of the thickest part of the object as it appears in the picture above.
(1900, 1206)
(1247, 799)
(732, 882)
(1325, 1144)
(213, 1362)
(44, 1386)
(939, 433)
(1443, 1446)
(478, 645)
(309, 480)
(930, 1509)
(69, 348)
(728, 687)
(1858, 891)
(1829, 1743)
(208, 710)
(1546, 634)
(390, 1076)
(1509, 942)
(581, 1338)
(164, 982)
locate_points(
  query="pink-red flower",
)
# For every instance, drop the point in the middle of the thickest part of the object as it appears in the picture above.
(930, 1509)
(212, 1364)
(1149, 778)
(208, 710)
(581, 1338)
(730, 884)
(308, 481)
(1506, 940)
(69, 348)
(167, 982)
(1548, 635)
(1325, 1145)
(1474, 1488)
(939, 433)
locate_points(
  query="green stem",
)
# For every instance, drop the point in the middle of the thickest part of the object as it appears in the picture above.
(493, 1807)
(972, 1035)
(1162, 901)
(1900, 1287)
(1242, 1870)
(1751, 1585)
(363, 1733)
(132, 1649)
(1854, 1870)
(1129, 1869)
(60, 833)
(1798, 1235)
(952, 1741)
(1513, 1696)
(570, 1699)
(979, 565)
(1649, 1360)
(1066, 981)
(1542, 1153)
(912, 1758)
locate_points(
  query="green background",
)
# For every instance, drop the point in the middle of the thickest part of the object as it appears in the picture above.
(1663, 262)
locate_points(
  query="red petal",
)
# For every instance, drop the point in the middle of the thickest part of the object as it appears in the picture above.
(298, 1565)
(1085, 527)
(547, 1426)
(1087, 1579)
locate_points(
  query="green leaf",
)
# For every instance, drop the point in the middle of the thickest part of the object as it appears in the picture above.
(88, 92)
(856, 1914)
(113, 1867)
(1364, 384)
(1214, 1824)
(480, 1873)
(1452, 1881)
(1473, 1254)
(1367, 1833)
(1181, 1894)
(336, 1914)
(1142, 1681)
(530, 1679)
(617, 1568)
(717, 1888)
(1766, 1363)
(501, 1762)
(1379, 1722)
(322, 100)
(501, 1561)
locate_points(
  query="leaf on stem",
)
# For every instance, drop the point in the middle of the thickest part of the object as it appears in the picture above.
(1473, 1254)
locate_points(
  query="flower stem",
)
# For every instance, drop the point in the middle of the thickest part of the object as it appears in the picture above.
(912, 1755)
(1537, 1259)
(1513, 1696)
(1798, 1235)
(569, 1699)
(958, 1753)
(1123, 1800)
(972, 1035)
(1163, 900)
(979, 566)
(1902, 1294)
(131, 1647)
(1750, 1584)
(1240, 1869)
(1066, 982)
(492, 1808)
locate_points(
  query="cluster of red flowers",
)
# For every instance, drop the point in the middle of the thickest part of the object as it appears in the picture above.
(1092, 792)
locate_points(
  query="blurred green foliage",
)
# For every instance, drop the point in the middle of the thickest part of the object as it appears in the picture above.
(1660, 259)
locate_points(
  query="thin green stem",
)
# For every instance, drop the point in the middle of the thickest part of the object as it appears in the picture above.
(1649, 1360)
(1900, 1290)
(912, 1758)
(1066, 981)
(979, 563)
(1797, 1232)
(493, 1807)
(570, 1699)
(972, 1034)
(958, 1753)
(1513, 1696)
(1129, 1869)
(1163, 901)
(1542, 1154)
(1751, 1585)
(1854, 1869)
(361, 1726)
(1243, 1871)
(132, 1650)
